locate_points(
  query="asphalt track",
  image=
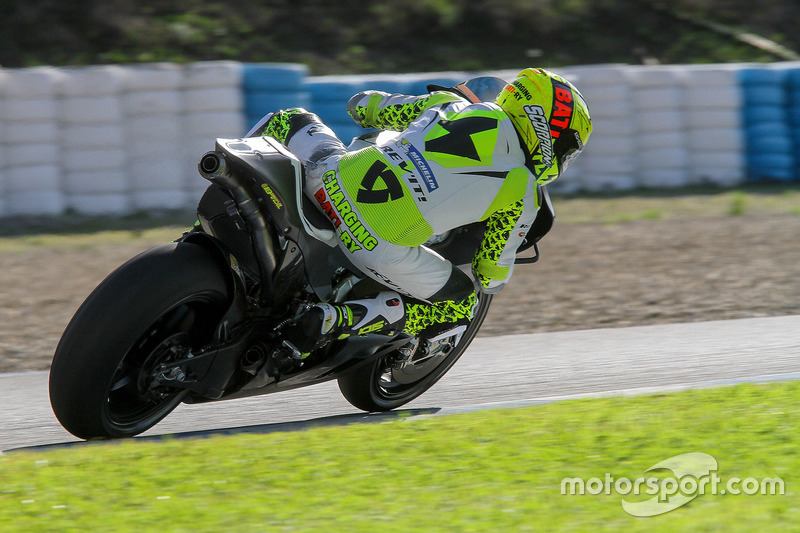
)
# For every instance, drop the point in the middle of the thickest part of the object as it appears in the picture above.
(495, 372)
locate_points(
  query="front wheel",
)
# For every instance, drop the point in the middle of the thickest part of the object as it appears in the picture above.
(386, 385)
(105, 380)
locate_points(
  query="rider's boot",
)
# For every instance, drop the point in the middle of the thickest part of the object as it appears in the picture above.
(384, 313)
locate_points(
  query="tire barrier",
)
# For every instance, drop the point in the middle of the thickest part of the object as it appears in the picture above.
(104, 139)
(330, 94)
(271, 86)
(153, 136)
(662, 149)
(2, 178)
(712, 100)
(793, 103)
(204, 119)
(31, 172)
(609, 161)
(765, 118)
(93, 140)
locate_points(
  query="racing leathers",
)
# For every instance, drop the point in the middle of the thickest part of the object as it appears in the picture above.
(440, 162)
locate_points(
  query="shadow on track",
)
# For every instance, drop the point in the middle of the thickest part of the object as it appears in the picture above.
(282, 427)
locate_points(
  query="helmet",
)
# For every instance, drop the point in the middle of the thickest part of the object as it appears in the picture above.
(551, 117)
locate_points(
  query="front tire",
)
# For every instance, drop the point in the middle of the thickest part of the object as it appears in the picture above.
(155, 307)
(381, 387)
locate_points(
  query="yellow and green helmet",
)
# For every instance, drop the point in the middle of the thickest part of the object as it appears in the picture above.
(551, 117)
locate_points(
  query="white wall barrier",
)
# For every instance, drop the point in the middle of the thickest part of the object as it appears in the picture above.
(30, 139)
(662, 151)
(3, 77)
(94, 156)
(114, 139)
(152, 125)
(713, 125)
(609, 161)
(214, 108)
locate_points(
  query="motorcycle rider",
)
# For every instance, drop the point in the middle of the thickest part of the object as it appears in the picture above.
(440, 162)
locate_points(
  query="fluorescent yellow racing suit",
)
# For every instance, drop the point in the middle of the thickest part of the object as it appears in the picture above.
(439, 163)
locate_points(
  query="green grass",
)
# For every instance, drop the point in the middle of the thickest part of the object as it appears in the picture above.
(87, 241)
(671, 204)
(77, 232)
(487, 471)
(738, 204)
(72, 223)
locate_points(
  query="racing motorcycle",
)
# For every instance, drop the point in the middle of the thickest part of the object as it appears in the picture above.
(201, 319)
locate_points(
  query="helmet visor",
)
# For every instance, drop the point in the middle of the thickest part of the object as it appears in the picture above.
(567, 147)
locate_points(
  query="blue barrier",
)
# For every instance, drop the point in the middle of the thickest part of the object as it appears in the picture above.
(274, 77)
(331, 111)
(331, 90)
(773, 130)
(766, 167)
(272, 86)
(770, 144)
(258, 104)
(765, 96)
(793, 88)
(761, 76)
(329, 100)
(421, 86)
(329, 97)
(770, 134)
(756, 114)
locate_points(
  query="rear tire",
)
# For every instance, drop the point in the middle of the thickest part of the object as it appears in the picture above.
(379, 387)
(156, 306)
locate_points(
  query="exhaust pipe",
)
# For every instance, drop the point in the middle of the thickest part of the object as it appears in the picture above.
(212, 165)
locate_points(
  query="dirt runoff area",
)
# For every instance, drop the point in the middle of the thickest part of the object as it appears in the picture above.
(590, 276)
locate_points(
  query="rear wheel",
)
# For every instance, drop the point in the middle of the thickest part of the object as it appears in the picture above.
(395, 380)
(109, 376)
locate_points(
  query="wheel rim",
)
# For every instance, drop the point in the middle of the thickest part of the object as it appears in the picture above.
(396, 385)
(411, 373)
(135, 398)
